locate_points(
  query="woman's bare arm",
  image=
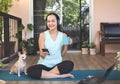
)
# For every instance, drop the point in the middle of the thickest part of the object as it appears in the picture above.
(41, 44)
(65, 47)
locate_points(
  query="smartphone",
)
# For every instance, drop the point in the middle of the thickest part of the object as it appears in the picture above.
(45, 50)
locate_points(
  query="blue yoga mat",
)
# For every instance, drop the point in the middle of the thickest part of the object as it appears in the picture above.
(79, 75)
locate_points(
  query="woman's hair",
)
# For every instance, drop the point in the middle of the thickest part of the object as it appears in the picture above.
(58, 21)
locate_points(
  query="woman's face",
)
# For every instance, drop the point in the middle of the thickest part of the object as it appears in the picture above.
(51, 22)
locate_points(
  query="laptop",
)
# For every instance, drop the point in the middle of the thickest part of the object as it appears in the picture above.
(96, 79)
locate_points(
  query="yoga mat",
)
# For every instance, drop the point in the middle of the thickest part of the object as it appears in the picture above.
(79, 75)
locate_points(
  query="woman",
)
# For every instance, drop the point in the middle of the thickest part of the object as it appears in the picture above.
(50, 64)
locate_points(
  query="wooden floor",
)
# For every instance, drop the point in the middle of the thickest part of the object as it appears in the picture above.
(81, 62)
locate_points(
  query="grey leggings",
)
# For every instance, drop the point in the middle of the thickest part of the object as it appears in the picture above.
(63, 67)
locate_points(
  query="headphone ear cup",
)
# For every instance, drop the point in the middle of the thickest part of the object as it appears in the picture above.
(58, 22)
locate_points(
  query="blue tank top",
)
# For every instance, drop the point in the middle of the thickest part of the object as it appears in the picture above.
(55, 49)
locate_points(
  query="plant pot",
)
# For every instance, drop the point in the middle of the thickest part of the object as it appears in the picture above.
(84, 50)
(92, 51)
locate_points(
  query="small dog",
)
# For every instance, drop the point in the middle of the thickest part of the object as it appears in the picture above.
(20, 65)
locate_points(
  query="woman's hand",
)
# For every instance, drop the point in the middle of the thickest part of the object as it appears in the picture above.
(43, 54)
(41, 45)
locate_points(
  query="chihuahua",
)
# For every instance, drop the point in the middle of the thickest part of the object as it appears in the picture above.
(20, 65)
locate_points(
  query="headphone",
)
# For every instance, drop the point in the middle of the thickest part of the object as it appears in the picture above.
(58, 22)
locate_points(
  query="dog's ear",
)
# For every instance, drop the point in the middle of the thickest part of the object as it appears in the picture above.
(19, 53)
(24, 51)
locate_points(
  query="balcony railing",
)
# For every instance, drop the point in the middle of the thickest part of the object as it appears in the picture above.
(8, 28)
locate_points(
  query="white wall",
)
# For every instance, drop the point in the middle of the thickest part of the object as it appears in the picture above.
(24, 10)
(105, 11)
(100, 11)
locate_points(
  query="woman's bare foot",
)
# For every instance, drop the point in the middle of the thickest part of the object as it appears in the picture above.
(67, 76)
(2, 82)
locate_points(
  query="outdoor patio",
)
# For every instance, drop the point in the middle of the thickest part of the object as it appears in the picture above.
(81, 62)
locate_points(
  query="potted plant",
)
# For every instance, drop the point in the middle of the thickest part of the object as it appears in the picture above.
(1, 42)
(1, 64)
(92, 48)
(19, 36)
(26, 44)
(30, 46)
(117, 65)
(85, 47)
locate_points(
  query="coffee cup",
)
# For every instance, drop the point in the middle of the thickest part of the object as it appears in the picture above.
(66, 40)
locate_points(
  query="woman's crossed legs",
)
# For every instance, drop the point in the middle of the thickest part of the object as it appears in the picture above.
(61, 70)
